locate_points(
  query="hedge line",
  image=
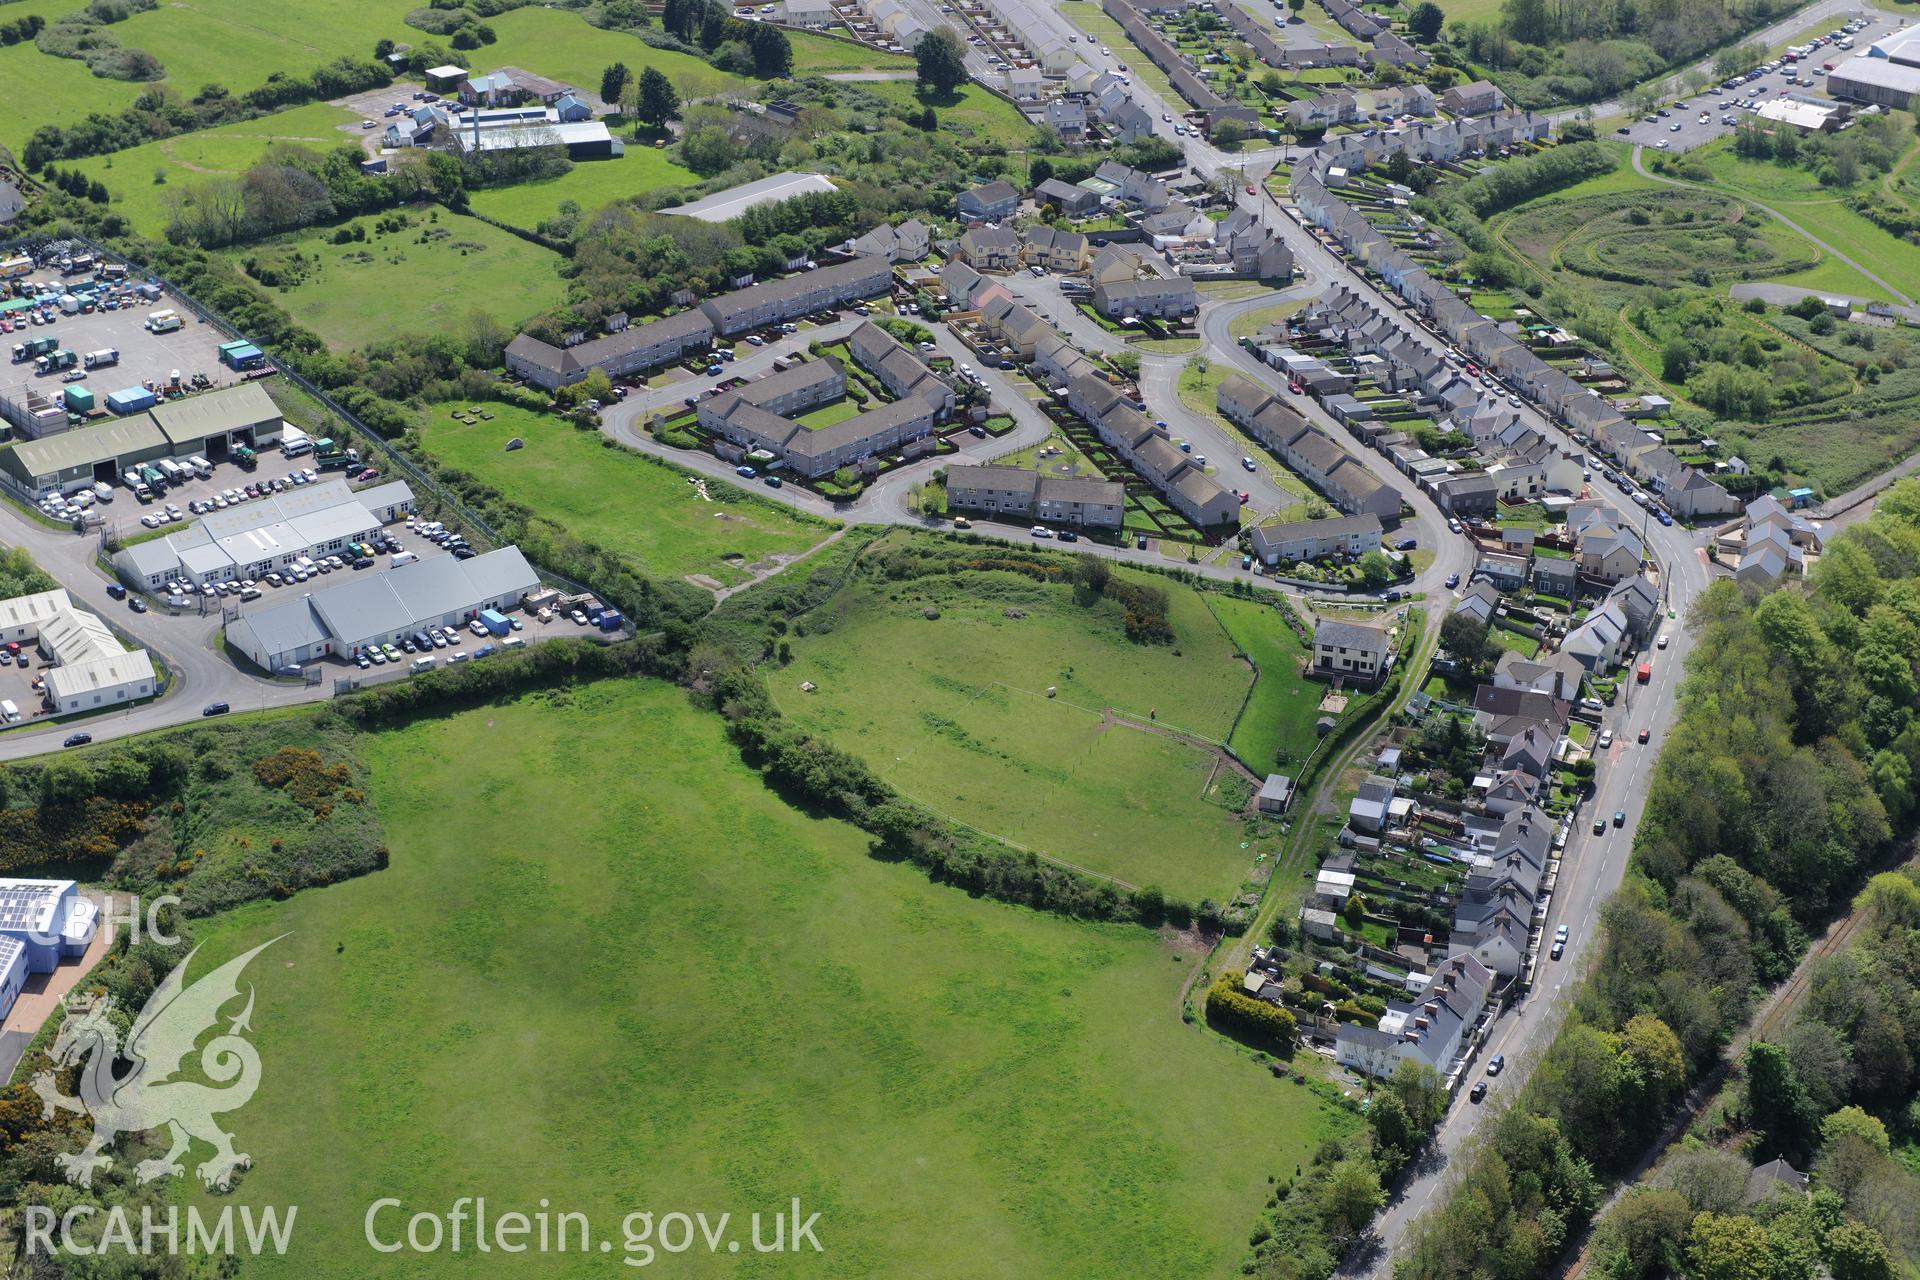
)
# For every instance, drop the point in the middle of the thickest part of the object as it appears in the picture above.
(1265, 1026)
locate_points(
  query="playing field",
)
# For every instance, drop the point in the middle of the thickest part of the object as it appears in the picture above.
(433, 273)
(612, 980)
(143, 180)
(1281, 712)
(641, 509)
(954, 710)
(591, 184)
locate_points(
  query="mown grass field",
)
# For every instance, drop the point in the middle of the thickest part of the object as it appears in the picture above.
(954, 710)
(591, 184)
(1282, 709)
(132, 177)
(648, 983)
(432, 274)
(641, 509)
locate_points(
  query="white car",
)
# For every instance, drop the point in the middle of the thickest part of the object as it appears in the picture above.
(1661, 643)
(1662, 145)
(1606, 739)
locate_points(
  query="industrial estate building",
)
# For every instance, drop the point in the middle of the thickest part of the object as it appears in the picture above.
(91, 667)
(384, 608)
(42, 922)
(271, 534)
(209, 424)
(647, 346)
(724, 206)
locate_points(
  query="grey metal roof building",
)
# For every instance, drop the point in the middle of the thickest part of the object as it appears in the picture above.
(205, 423)
(250, 540)
(342, 620)
(1876, 80)
(724, 206)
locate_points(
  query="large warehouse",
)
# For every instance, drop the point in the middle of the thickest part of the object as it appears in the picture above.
(1880, 81)
(385, 608)
(254, 539)
(209, 424)
(94, 669)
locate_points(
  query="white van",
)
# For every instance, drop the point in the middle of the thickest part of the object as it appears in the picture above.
(8, 712)
(403, 557)
(171, 470)
(102, 491)
(201, 467)
(420, 664)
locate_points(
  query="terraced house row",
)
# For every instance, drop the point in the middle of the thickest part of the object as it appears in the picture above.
(761, 415)
(641, 347)
(1316, 180)
(1306, 450)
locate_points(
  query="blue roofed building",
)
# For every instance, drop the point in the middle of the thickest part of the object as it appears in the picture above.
(42, 922)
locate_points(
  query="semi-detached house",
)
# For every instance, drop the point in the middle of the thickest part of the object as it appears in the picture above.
(1081, 502)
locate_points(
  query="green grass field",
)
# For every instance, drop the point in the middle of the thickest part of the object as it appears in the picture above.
(189, 158)
(655, 986)
(815, 55)
(986, 115)
(828, 414)
(954, 710)
(1281, 712)
(643, 510)
(41, 89)
(591, 184)
(393, 284)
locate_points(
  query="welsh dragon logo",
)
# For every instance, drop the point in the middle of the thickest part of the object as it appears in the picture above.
(152, 1095)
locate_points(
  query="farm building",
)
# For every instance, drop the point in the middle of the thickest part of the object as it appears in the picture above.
(252, 540)
(382, 609)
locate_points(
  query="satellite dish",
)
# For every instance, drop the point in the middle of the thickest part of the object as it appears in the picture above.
(516, 443)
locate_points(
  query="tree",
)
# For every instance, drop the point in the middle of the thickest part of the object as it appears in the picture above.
(1728, 1248)
(1465, 637)
(1227, 132)
(1642, 1233)
(658, 102)
(1676, 360)
(1855, 1251)
(1353, 1195)
(1375, 569)
(1420, 1092)
(1854, 1121)
(940, 62)
(613, 82)
(1296, 6)
(772, 51)
(1426, 20)
(1039, 171)
(1777, 1105)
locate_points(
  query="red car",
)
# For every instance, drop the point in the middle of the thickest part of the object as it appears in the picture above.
(1296, 388)
(1250, 190)
(1244, 497)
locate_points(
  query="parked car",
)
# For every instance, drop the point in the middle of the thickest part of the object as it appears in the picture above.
(1453, 580)
(1559, 949)
(1479, 1091)
(215, 709)
(1497, 1065)
(77, 740)
(1040, 531)
(1606, 739)
(116, 591)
